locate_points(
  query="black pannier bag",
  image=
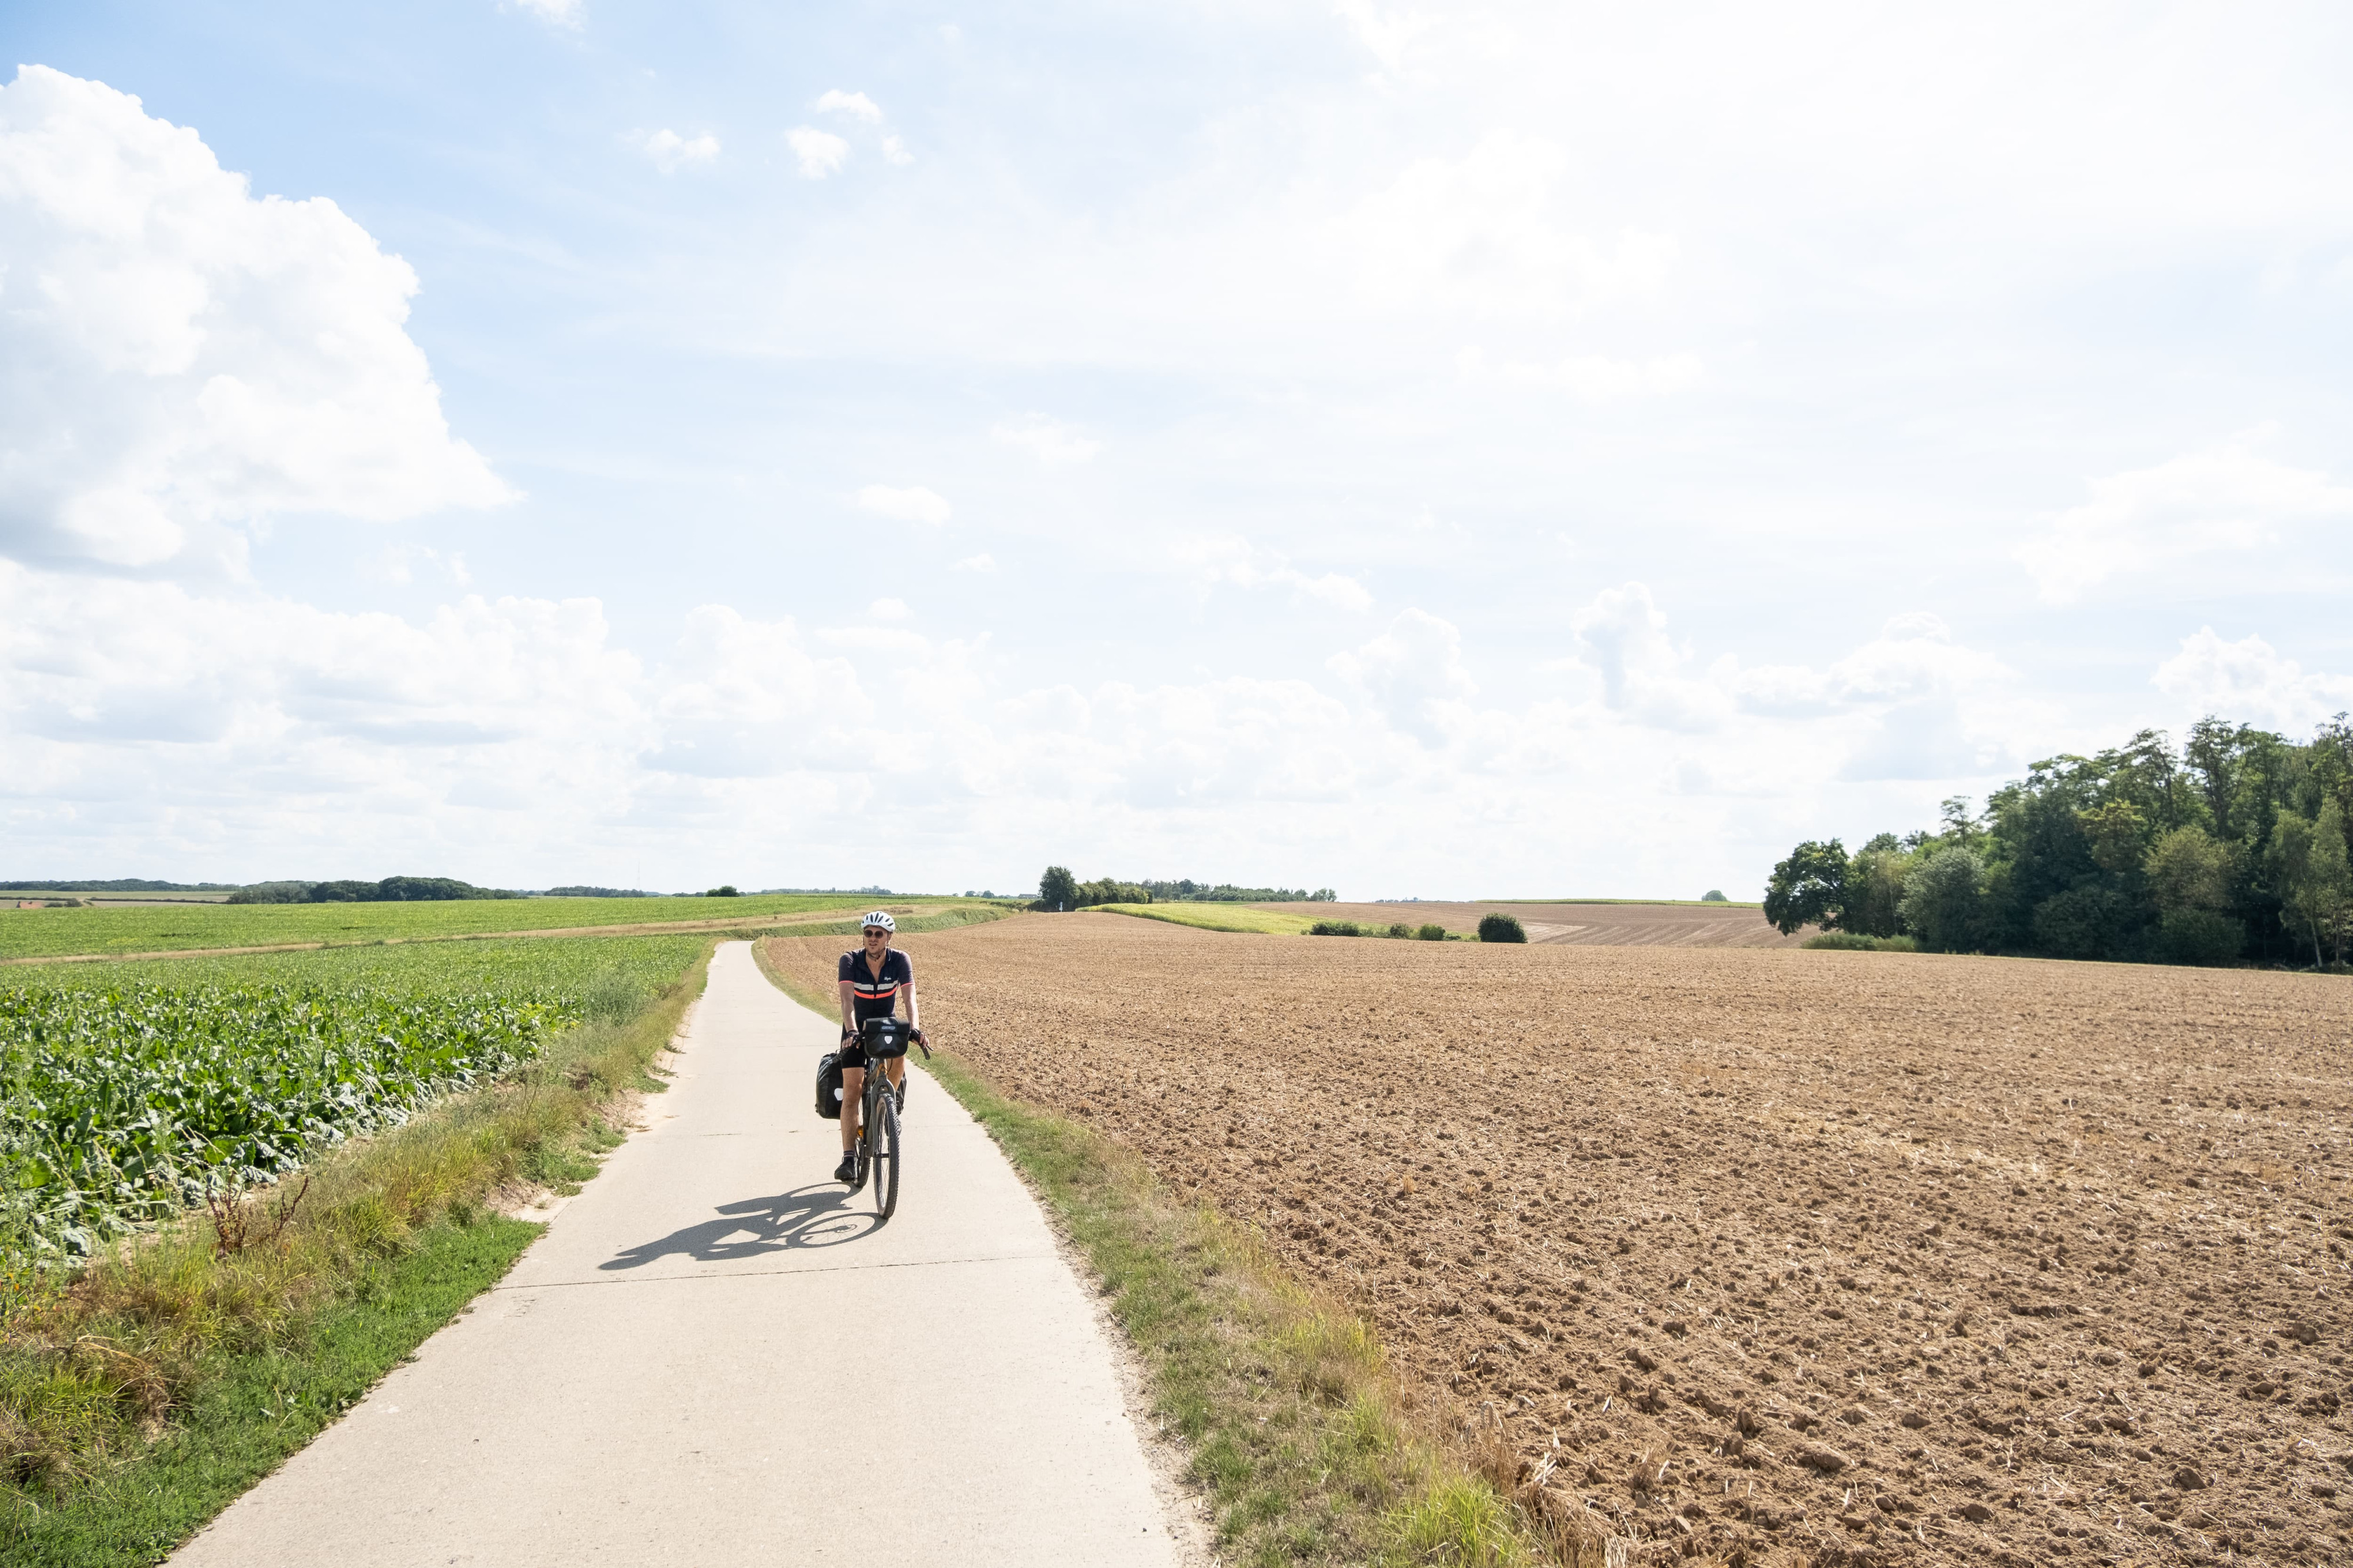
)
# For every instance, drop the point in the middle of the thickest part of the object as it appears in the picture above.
(829, 1086)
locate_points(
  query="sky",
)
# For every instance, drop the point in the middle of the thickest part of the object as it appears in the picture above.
(1478, 451)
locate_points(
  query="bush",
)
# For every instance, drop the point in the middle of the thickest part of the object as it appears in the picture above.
(1855, 942)
(1335, 928)
(2200, 936)
(1713, 895)
(725, 891)
(1399, 929)
(1500, 928)
(1431, 933)
(2089, 923)
(1944, 901)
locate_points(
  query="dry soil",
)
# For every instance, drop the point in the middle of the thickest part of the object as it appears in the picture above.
(1770, 1255)
(1580, 925)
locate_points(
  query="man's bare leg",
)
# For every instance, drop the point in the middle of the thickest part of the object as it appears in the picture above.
(853, 1088)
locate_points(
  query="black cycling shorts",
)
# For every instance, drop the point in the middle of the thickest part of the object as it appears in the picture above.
(853, 1053)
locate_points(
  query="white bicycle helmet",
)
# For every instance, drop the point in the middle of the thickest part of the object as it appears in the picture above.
(880, 917)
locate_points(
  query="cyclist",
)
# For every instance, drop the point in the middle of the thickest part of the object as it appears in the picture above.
(871, 981)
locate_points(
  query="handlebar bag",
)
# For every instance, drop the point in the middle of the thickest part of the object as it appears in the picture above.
(829, 1086)
(884, 1038)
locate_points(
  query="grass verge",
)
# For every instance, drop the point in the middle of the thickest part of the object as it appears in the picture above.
(1297, 1430)
(143, 1392)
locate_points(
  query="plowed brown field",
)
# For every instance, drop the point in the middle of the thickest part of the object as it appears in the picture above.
(1840, 1258)
(1580, 925)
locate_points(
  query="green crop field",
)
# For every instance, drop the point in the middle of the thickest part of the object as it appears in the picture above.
(1217, 916)
(129, 1090)
(52, 933)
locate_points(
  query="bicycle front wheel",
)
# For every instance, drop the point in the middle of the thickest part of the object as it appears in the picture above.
(886, 1156)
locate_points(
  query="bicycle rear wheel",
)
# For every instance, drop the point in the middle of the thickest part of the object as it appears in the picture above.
(885, 1128)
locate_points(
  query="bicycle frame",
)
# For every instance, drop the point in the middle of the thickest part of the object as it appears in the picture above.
(878, 1151)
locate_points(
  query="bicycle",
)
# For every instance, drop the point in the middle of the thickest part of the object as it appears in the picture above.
(878, 1147)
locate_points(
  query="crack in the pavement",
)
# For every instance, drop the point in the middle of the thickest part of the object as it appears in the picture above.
(769, 1273)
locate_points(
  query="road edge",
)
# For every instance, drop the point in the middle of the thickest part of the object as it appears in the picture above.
(1277, 1407)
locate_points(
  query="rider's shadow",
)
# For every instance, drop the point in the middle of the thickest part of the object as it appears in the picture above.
(810, 1217)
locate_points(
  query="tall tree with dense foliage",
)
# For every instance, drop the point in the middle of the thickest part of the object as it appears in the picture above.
(1809, 888)
(2315, 886)
(1058, 889)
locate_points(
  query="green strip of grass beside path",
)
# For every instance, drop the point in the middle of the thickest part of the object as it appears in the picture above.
(143, 1394)
(262, 1407)
(1295, 1427)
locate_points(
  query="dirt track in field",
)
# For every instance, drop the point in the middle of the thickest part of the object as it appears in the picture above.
(1579, 925)
(1773, 1257)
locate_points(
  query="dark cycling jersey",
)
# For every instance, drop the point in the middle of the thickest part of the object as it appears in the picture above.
(869, 997)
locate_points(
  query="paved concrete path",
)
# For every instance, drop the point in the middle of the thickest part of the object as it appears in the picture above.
(646, 1387)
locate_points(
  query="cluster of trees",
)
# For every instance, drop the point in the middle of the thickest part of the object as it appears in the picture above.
(1058, 889)
(2231, 848)
(1188, 892)
(391, 891)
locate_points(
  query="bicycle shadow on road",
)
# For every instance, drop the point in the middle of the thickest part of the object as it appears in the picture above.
(806, 1218)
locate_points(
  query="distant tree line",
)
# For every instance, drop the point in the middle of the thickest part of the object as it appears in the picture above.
(1058, 889)
(2230, 849)
(391, 891)
(116, 885)
(1188, 892)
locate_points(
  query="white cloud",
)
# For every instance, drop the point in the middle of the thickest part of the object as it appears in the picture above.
(912, 504)
(556, 13)
(820, 152)
(671, 151)
(1385, 32)
(1490, 235)
(1593, 378)
(981, 563)
(2247, 682)
(1621, 635)
(178, 358)
(1225, 559)
(1414, 676)
(857, 105)
(888, 609)
(2224, 500)
(1051, 441)
(397, 565)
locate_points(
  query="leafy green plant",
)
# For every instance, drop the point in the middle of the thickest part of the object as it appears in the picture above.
(1335, 928)
(129, 1092)
(128, 1104)
(1502, 928)
(1431, 933)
